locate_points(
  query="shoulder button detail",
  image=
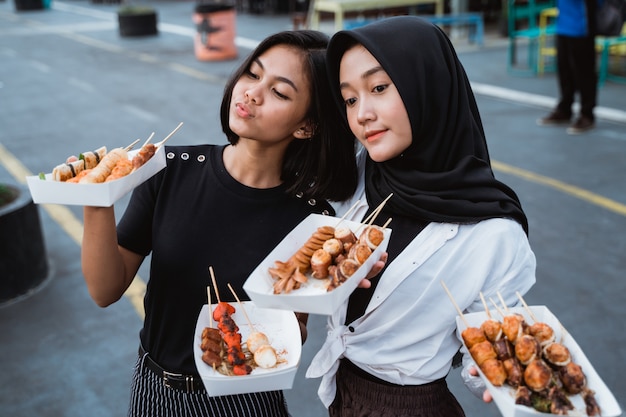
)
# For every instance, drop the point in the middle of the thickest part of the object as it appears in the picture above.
(184, 156)
(300, 194)
(325, 212)
(201, 158)
(312, 202)
(170, 155)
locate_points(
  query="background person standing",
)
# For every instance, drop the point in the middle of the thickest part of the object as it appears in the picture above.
(576, 65)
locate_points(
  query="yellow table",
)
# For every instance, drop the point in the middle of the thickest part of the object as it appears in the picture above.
(340, 7)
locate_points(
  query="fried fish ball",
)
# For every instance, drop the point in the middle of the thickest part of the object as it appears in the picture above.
(573, 378)
(482, 351)
(527, 349)
(537, 375)
(472, 336)
(492, 329)
(494, 371)
(513, 326)
(542, 332)
(557, 354)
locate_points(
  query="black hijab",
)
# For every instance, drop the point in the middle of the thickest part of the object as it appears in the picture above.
(445, 175)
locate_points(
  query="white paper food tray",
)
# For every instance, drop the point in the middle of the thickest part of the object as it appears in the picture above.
(283, 331)
(105, 194)
(311, 297)
(504, 396)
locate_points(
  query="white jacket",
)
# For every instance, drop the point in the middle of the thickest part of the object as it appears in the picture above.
(407, 334)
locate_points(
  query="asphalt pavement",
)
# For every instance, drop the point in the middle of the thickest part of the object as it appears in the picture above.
(68, 81)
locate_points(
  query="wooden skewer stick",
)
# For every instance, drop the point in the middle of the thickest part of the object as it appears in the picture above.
(217, 293)
(370, 219)
(170, 135)
(242, 307)
(348, 212)
(530, 313)
(131, 146)
(482, 298)
(387, 223)
(455, 304)
(148, 140)
(208, 293)
(506, 308)
(502, 313)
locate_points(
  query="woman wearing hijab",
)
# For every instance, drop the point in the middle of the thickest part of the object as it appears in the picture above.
(409, 103)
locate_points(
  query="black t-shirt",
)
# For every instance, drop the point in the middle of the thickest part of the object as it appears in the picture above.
(190, 216)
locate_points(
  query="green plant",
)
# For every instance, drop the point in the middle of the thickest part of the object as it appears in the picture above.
(132, 9)
(7, 194)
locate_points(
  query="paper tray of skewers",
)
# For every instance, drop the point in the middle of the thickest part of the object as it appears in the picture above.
(270, 346)
(100, 177)
(317, 265)
(532, 366)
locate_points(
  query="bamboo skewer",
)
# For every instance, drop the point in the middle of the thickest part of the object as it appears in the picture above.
(348, 212)
(158, 145)
(370, 219)
(502, 313)
(530, 313)
(208, 293)
(455, 304)
(242, 307)
(506, 308)
(148, 140)
(132, 145)
(217, 293)
(482, 298)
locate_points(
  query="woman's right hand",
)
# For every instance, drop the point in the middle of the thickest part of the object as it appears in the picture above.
(376, 268)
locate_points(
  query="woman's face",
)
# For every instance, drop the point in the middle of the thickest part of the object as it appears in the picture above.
(376, 112)
(269, 102)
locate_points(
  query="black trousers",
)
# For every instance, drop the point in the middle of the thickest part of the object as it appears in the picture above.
(576, 66)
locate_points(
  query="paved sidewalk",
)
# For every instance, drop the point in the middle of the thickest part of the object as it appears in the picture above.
(68, 80)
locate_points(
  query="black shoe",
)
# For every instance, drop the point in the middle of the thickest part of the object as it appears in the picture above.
(581, 125)
(557, 117)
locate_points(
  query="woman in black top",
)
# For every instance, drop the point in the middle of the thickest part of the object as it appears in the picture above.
(226, 207)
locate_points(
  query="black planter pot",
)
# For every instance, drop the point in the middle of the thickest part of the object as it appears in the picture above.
(24, 5)
(137, 23)
(23, 260)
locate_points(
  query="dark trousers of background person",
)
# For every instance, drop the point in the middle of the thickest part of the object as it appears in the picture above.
(576, 66)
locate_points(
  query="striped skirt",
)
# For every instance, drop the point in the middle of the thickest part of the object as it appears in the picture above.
(150, 398)
(362, 397)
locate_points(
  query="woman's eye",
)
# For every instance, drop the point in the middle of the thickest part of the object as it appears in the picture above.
(251, 74)
(280, 95)
(349, 101)
(379, 88)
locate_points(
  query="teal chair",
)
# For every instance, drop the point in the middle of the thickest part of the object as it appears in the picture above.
(607, 46)
(523, 28)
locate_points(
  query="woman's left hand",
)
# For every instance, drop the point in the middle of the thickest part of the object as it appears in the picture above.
(486, 394)
(376, 268)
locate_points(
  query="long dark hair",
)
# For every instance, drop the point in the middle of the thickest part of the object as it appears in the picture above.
(324, 166)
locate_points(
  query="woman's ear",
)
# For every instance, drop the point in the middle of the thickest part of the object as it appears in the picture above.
(305, 132)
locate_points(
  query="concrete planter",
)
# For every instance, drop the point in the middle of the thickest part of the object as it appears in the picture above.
(23, 260)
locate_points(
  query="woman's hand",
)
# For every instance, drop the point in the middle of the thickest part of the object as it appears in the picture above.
(486, 394)
(376, 268)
